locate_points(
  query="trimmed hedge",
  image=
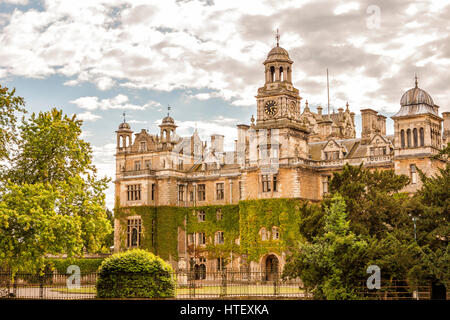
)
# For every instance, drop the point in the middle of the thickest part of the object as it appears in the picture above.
(86, 265)
(135, 274)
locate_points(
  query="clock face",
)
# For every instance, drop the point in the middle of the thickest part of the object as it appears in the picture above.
(271, 108)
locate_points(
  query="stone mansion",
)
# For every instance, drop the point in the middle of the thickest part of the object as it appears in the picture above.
(287, 152)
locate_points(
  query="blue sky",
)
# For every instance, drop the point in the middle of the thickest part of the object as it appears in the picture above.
(100, 58)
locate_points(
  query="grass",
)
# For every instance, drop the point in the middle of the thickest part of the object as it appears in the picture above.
(208, 290)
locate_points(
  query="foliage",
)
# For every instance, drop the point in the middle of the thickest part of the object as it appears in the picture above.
(10, 107)
(50, 149)
(333, 265)
(375, 203)
(135, 274)
(229, 224)
(30, 227)
(86, 265)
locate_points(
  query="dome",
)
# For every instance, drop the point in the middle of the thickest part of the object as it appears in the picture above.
(168, 119)
(278, 54)
(416, 96)
(125, 126)
(416, 101)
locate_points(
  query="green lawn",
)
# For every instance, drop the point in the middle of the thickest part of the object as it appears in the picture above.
(205, 290)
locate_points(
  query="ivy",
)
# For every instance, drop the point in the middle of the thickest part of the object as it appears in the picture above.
(241, 221)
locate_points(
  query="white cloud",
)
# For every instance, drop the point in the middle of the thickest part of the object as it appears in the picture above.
(217, 49)
(19, 2)
(88, 116)
(103, 157)
(118, 102)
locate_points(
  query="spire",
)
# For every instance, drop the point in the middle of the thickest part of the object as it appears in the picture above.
(416, 81)
(123, 117)
(346, 106)
(168, 109)
(306, 105)
(277, 37)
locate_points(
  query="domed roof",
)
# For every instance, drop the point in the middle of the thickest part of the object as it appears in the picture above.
(278, 54)
(168, 119)
(124, 126)
(416, 101)
(416, 96)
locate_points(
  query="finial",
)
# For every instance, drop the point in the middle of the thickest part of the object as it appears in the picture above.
(278, 38)
(168, 109)
(346, 105)
(417, 82)
(123, 117)
(306, 105)
(252, 119)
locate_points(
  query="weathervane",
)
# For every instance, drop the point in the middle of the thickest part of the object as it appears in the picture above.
(417, 82)
(123, 116)
(168, 109)
(277, 36)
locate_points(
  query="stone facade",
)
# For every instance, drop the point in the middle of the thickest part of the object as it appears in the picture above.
(288, 152)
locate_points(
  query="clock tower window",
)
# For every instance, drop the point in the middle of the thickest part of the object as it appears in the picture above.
(281, 74)
(272, 74)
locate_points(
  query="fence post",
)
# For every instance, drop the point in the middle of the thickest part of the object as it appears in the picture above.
(223, 288)
(41, 286)
(276, 288)
(192, 284)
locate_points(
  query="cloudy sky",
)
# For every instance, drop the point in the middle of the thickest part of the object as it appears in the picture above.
(100, 58)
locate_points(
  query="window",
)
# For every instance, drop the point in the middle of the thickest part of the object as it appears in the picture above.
(275, 182)
(220, 191)
(265, 183)
(134, 192)
(408, 138)
(190, 238)
(137, 165)
(148, 164)
(201, 216)
(153, 191)
(275, 233)
(201, 192)
(219, 237)
(143, 146)
(263, 234)
(180, 164)
(415, 138)
(272, 74)
(422, 137)
(325, 180)
(331, 155)
(180, 192)
(221, 264)
(402, 138)
(201, 238)
(219, 215)
(413, 173)
(191, 196)
(134, 232)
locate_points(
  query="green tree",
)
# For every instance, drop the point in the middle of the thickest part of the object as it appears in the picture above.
(10, 107)
(333, 265)
(31, 226)
(375, 203)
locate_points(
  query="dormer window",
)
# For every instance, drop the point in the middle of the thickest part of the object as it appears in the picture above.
(143, 146)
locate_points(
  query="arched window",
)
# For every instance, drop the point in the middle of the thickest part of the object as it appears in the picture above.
(281, 74)
(415, 137)
(402, 138)
(272, 73)
(422, 137)
(408, 138)
(275, 233)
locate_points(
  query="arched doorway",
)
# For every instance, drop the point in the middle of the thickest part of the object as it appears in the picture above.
(438, 291)
(271, 267)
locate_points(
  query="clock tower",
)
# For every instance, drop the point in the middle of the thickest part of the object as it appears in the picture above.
(278, 102)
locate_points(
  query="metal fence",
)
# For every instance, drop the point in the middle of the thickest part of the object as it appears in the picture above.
(194, 285)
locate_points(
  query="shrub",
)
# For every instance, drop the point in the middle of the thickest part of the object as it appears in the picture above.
(87, 265)
(135, 274)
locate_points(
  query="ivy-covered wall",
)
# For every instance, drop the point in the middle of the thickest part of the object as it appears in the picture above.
(242, 221)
